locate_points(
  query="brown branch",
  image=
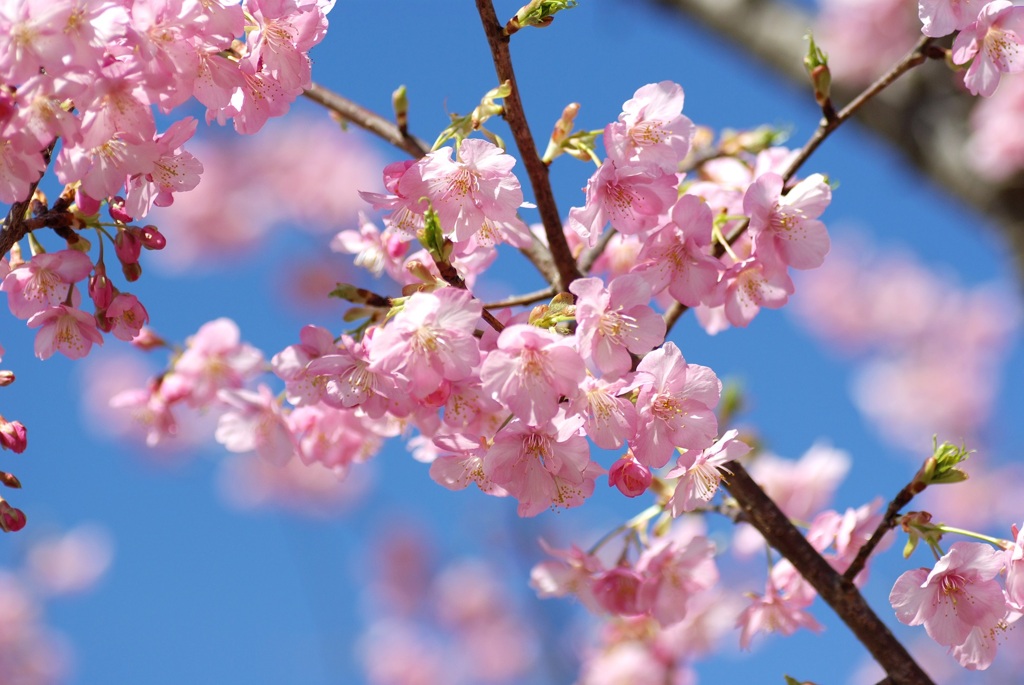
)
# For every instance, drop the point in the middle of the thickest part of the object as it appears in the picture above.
(367, 120)
(838, 592)
(535, 168)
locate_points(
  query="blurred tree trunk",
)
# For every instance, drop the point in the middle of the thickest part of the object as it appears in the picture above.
(924, 115)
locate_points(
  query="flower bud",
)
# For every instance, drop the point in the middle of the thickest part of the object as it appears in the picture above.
(127, 246)
(117, 211)
(630, 476)
(13, 436)
(151, 237)
(6, 377)
(101, 290)
(11, 519)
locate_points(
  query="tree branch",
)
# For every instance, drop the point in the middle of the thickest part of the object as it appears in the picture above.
(838, 592)
(535, 168)
(926, 120)
(367, 120)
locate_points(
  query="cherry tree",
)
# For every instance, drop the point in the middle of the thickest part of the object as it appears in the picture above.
(540, 395)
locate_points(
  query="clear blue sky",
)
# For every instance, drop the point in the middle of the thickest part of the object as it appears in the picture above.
(202, 594)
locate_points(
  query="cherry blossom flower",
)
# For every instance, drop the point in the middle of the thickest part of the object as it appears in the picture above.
(44, 281)
(676, 256)
(651, 129)
(476, 193)
(630, 198)
(542, 466)
(674, 407)
(943, 17)
(674, 568)
(774, 612)
(430, 340)
(615, 322)
(530, 370)
(995, 43)
(958, 594)
(609, 418)
(64, 329)
(254, 423)
(215, 358)
(699, 478)
(1015, 569)
(785, 228)
(126, 316)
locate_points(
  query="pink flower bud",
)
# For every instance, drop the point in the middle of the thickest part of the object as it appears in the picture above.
(618, 591)
(132, 271)
(127, 246)
(101, 290)
(630, 476)
(11, 519)
(86, 205)
(6, 377)
(117, 211)
(148, 340)
(13, 436)
(152, 239)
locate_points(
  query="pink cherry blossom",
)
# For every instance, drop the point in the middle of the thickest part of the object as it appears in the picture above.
(677, 258)
(64, 329)
(254, 423)
(651, 129)
(570, 572)
(785, 228)
(477, 193)
(285, 30)
(958, 594)
(615, 322)
(617, 591)
(430, 340)
(699, 478)
(995, 43)
(774, 612)
(542, 466)
(674, 568)
(126, 316)
(531, 369)
(343, 379)
(44, 281)
(675, 406)
(629, 198)
(13, 435)
(609, 418)
(943, 17)
(215, 358)
(334, 438)
(1015, 569)
(750, 285)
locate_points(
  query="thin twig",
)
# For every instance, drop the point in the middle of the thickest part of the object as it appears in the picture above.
(568, 271)
(840, 593)
(915, 57)
(525, 298)
(887, 523)
(367, 120)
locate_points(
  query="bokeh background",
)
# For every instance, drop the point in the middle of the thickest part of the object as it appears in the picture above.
(200, 567)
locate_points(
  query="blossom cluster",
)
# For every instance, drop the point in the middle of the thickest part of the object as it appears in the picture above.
(91, 74)
(961, 603)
